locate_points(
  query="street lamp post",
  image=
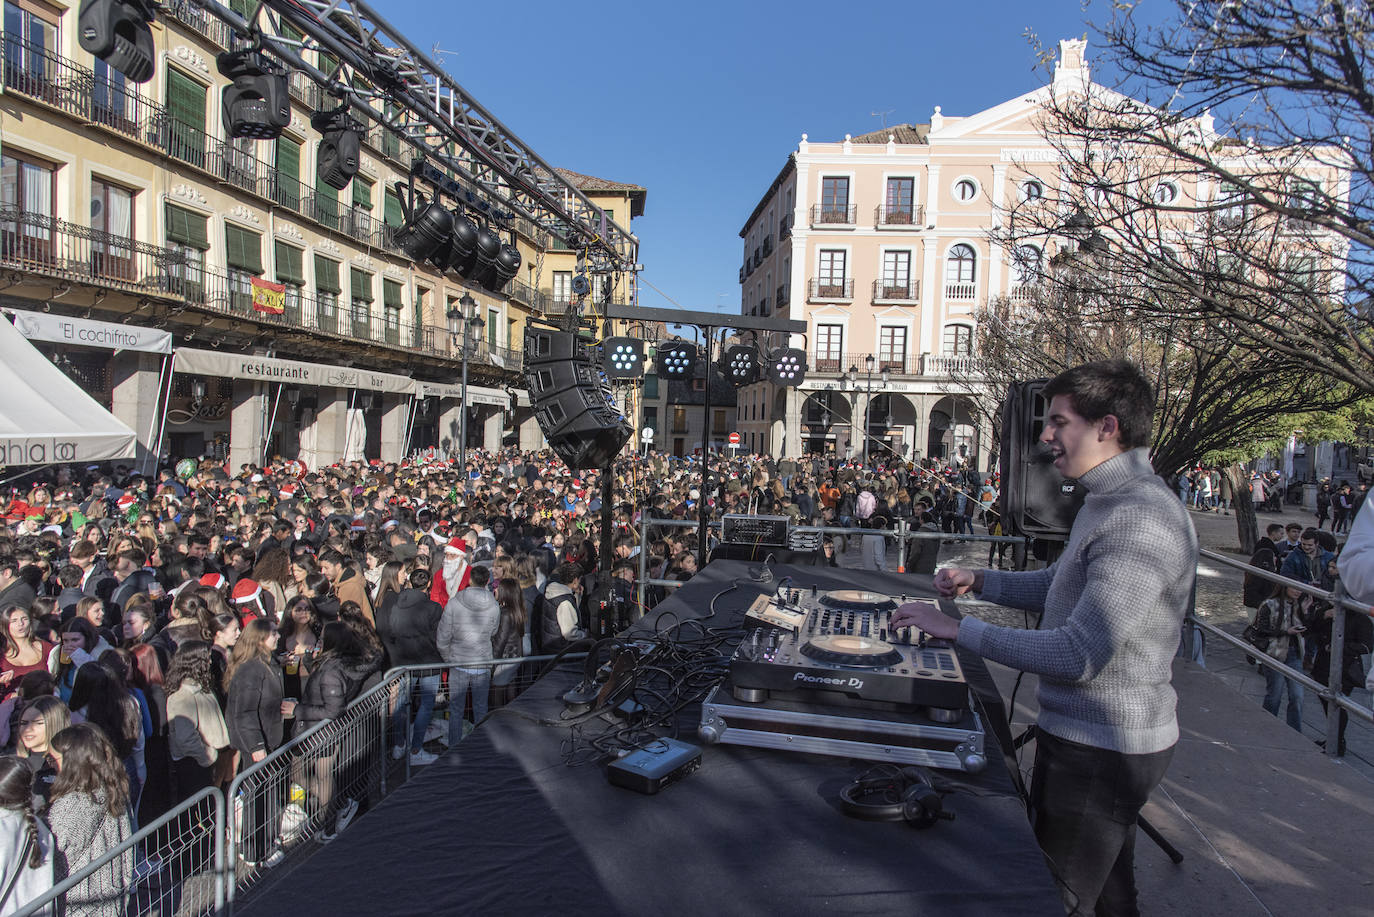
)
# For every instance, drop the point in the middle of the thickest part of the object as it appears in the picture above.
(884, 376)
(462, 320)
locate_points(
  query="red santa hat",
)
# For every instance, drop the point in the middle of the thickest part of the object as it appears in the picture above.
(213, 580)
(287, 491)
(126, 501)
(247, 599)
(456, 544)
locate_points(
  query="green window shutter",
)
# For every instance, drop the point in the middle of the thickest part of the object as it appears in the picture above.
(185, 99)
(289, 158)
(362, 193)
(187, 228)
(391, 294)
(327, 275)
(243, 249)
(360, 285)
(392, 213)
(290, 264)
(290, 32)
(326, 202)
(242, 7)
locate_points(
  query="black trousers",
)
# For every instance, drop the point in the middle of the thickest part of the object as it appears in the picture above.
(1084, 805)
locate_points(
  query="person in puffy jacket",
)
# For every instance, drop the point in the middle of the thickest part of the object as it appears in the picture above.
(464, 638)
(409, 632)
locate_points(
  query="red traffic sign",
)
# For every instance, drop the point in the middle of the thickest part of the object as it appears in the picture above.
(734, 439)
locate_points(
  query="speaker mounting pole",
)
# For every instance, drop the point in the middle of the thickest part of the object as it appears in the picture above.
(702, 530)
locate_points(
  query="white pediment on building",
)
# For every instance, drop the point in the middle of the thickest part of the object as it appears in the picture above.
(290, 232)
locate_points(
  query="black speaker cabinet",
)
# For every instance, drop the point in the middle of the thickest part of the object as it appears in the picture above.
(1036, 499)
(572, 400)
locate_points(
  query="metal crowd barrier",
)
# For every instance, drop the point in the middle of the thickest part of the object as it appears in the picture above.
(174, 865)
(1331, 691)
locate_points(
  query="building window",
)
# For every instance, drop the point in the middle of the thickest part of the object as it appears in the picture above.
(1230, 207)
(961, 272)
(651, 419)
(392, 213)
(243, 255)
(186, 111)
(286, 174)
(493, 328)
(958, 340)
(28, 195)
(290, 263)
(391, 310)
(31, 46)
(110, 100)
(188, 237)
(1165, 193)
(1025, 267)
(835, 200)
(326, 203)
(896, 282)
(679, 419)
(899, 206)
(892, 349)
(831, 282)
(829, 348)
(112, 218)
(327, 291)
(650, 385)
(360, 301)
(965, 190)
(562, 289)
(1032, 191)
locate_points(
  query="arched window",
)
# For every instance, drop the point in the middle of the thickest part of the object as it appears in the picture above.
(961, 266)
(958, 340)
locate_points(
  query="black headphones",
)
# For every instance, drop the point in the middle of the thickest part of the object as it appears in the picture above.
(888, 793)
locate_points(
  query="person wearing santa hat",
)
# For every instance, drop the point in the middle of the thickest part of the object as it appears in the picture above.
(455, 573)
(250, 601)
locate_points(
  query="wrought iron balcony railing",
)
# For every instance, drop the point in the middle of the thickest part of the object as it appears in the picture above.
(830, 288)
(909, 217)
(833, 214)
(890, 290)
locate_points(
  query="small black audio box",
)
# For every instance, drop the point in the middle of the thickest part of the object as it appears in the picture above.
(648, 770)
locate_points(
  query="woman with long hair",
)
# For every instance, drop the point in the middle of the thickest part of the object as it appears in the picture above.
(26, 862)
(273, 573)
(299, 644)
(222, 631)
(254, 718)
(146, 674)
(392, 581)
(24, 652)
(100, 698)
(302, 565)
(511, 639)
(195, 725)
(40, 720)
(89, 816)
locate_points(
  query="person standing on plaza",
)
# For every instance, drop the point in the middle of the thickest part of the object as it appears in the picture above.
(464, 636)
(1112, 608)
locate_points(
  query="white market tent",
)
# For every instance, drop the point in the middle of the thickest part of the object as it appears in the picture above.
(46, 417)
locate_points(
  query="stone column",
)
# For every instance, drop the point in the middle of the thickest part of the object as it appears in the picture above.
(134, 394)
(493, 425)
(395, 413)
(792, 424)
(531, 437)
(246, 423)
(450, 423)
(322, 437)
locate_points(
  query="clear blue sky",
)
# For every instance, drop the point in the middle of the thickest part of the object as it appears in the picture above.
(701, 102)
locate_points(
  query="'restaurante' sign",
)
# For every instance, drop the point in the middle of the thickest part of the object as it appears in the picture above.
(273, 369)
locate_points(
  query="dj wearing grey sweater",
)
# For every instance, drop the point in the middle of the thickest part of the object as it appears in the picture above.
(1113, 606)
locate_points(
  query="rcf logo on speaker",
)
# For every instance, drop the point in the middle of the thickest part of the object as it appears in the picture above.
(832, 682)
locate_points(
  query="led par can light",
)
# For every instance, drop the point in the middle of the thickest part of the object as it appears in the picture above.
(787, 366)
(623, 358)
(676, 359)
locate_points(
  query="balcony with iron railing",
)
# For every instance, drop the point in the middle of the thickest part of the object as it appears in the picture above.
(891, 290)
(521, 292)
(196, 17)
(767, 246)
(46, 246)
(833, 215)
(897, 364)
(785, 227)
(910, 216)
(784, 295)
(830, 289)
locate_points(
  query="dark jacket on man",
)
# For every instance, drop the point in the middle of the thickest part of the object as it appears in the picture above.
(253, 714)
(408, 628)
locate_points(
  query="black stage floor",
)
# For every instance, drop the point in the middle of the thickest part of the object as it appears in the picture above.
(500, 825)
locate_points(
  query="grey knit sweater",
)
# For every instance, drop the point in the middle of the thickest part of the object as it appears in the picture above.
(1113, 604)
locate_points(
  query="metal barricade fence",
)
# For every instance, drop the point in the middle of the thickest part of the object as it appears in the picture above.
(173, 866)
(1329, 692)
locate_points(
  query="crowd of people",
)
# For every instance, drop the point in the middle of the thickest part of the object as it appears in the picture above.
(163, 633)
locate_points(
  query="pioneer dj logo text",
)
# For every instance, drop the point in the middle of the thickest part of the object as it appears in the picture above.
(829, 682)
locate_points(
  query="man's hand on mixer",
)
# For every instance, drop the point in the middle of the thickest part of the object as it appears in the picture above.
(954, 581)
(926, 616)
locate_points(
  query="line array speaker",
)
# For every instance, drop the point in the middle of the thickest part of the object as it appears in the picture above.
(1036, 499)
(571, 398)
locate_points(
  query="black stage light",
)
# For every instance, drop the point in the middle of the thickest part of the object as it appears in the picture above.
(117, 32)
(676, 359)
(622, 358)
(484, 267)
(741, 364)
(255, 104)
(787, 366)
(462, 249)
(427, 226)
(340, 141)
(505, 268)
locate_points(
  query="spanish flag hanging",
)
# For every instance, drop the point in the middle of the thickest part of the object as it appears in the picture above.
(269, 297)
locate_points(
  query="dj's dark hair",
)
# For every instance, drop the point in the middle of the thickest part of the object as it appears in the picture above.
(1110, 387)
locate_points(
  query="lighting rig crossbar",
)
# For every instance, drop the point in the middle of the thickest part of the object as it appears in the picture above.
(497, 162)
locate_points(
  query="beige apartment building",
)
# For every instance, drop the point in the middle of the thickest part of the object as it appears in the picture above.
(125, 203)
(881, 244)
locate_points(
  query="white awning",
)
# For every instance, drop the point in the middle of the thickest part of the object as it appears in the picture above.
(477, 394)
(46, 417)
(86, 332)
(299, 372)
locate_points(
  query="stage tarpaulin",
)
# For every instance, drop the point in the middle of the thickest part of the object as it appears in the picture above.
(46, 417)
(500, 825)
